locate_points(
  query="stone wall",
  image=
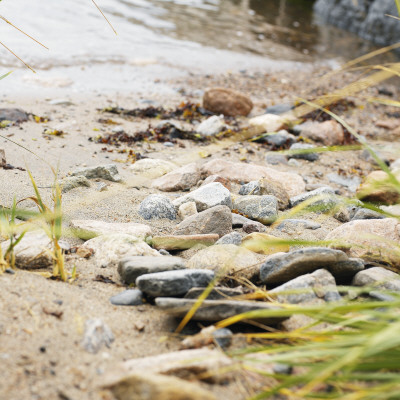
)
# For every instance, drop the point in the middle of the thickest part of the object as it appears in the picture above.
(366, 18)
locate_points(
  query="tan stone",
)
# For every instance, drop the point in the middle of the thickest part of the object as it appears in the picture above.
(152, 167)
(179, 179)
(267, 187)
(328, 133)
(220, 179)
(263, 243)
(268, 123)
(187, 209)
(183, 242)
(242, 172)
(373, 240)
(227, 102)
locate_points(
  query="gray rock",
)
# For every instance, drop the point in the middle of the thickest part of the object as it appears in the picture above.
(365, 213)
(207, 196)
(306, 154)
(366, 155)
(13, 114)
(211, 126)
(378, 277)
(279, 139)
(231, 238)
(72, 182)
(346, 269)
(253, 226)
(295, 225)
(157, 206)
(173, 283)
(214, 220)
(223, 337)
(108, 172)
(131, 268)
(251, 188)
(217, 310)
(239, 220)
(381, 296)
(97, 334)
(275, 158)
(261, 208)
(131, 297)
(278, 109)
(325, 199)
(281, 267)
(352, 183)
(217, 293)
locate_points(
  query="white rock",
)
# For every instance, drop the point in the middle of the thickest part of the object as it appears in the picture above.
(268, 122)
(187, 209)
(211, 126)
(152, 167)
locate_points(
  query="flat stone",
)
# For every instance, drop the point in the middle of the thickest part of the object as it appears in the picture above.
(214, 220)
(145, 386)
(187, 209)
(325, 199)
(216, 293)
(97, 334)
(231, 238)
(291, 226)
(87, 229)
(217, 310)
(261, 208)
(242, 172)
(328, 133)
(182, 178)
(279, 108)
(239, 220)
(226, 260)
(351, 183)
(207, 196)
(110, 249)
(157, 206)
(183, 242)
(72, 182)
(346, 269)
(274, 158)
(13, 114)
(32, 252)
(152, 167)
(173, 283)
(211, 126)
(131, 297)
(304, 152)
(378, 277)
(282, 267)
(307, 288)
(262, 243)
(131, 268)
(108, 172)
(365, 213)
(371, 240)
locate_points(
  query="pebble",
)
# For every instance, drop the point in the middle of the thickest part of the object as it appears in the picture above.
(260, 208)
(108, 172)
(13, 114)
(306, 155)
(366, 155)
(72, 182)
(207, 196)
(378, 277)
(292, 226)
(223, 337)
(182, 178)
(239, 220)
(350, 183)
(157, 206)
(187, 209)
(231, 238)
(211, 126)
(263, 243)
(214, 220)
(130, 268)
(173, 283)
(217, 178)
(131, 297)
(275, 158)
(325, 199)
(253, 226)
(97, 334)
(279, 139)
(152, 167)
(365, 213)
(279, 108)
(183, 242)
(328, 133)
(268, 123)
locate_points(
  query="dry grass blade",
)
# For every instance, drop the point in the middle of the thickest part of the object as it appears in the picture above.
(20, 59)
(109, 23)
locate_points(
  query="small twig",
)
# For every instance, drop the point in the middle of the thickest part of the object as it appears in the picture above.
(101, 12)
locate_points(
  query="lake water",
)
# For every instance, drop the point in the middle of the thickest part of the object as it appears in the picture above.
(161, 38)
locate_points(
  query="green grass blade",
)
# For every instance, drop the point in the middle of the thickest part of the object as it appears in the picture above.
(5, 75)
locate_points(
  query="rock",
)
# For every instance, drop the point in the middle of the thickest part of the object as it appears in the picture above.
(282, 267)
(130, 268)
(231, 238)
(371, 240)
(157, 206)
(87, 229)
(303, 151)
(268, 123)
(253, 226)
(239, 220)
(152, 167)
(226, 260)
(367, 156)
(97, 334)
(325, 199)
(204, 364)
(378, 188)
(261, 208)
(328, 133)
(214, 220)
(207, 196)
(183, 242)
(145, 386)
(378, 277)
(226, 101)
(265, 187)
(350, 183)
(216, 293)
(72, 182)
(275, 158)
(220, 179)
(13, 114)
(292, 226)
(365, 213)
(173, 283)
(279, 139)
(131, 297)
(187, 209)
(108, 172)
(211, 126)
(263, 243)
(3, 160)
(307, 288)
(32, 252)
(110, 249)
(242, 172)
(223, 337)
(279, 108)
(217, 310)
(182, 178)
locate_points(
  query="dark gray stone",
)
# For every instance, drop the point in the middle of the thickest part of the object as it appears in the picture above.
(157, 206)
(261, 208)
(131, 268)
(278, 109)
(279, 139)
(223, 337)
(13, 114)
(131, 297)
(108, 172)
(217, 310)
(173, 283)
(217, 293)
(231, 238)
(293, 225)
(326, 199)
(309, 156)
(365, 213)
(282, 267)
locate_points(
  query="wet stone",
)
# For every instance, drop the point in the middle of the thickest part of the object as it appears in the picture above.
(157, 206)
(131, 297)
(173, 283)
(131, 268)
(108, 172)
(260, 208)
